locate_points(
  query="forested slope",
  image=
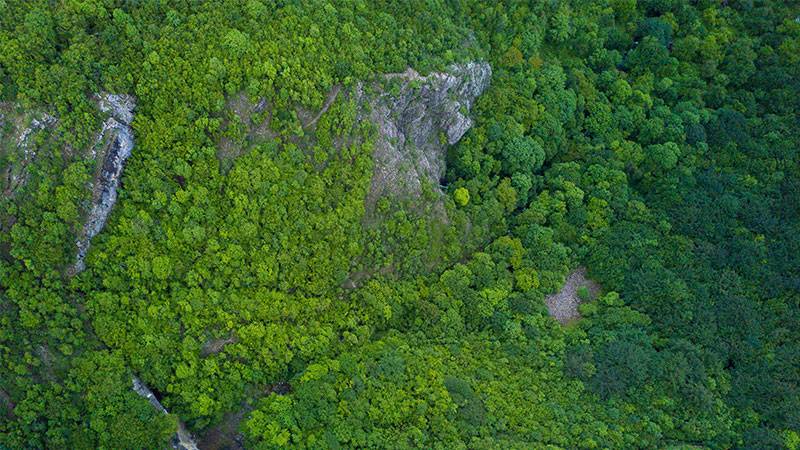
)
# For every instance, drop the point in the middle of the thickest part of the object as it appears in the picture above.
(248, 278)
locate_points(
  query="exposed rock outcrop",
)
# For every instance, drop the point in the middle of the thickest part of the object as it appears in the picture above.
(114, 145)
(255, 120)
(563, 305)
(417, 118)
(182, 439)
(19, 142)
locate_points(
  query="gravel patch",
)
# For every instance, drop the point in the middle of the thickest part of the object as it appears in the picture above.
(563, 305)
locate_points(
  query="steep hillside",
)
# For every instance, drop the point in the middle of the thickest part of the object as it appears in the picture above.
(420, 224)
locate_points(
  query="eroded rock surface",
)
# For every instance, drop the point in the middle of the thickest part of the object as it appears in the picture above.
(25, 132)
(18, 131)
(417, 118)
(114, 145)
(255, 120)
(182, 440)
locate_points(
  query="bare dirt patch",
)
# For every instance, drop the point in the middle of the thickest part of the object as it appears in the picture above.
(244, 123)
(563, 305)
(226, 435)
(214, 346)
(308, 121)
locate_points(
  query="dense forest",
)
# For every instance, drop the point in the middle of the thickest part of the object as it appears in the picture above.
(253, 278)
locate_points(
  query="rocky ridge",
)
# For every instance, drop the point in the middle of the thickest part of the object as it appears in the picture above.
(15, 174)
(115, 143)
(416, 118)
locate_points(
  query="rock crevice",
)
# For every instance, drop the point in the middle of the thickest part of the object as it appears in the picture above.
(114, 144)
(417, 117)
(182, 440)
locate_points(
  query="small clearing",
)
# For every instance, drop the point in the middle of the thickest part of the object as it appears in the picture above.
(244, 124)
(214, 346)
(563, 305)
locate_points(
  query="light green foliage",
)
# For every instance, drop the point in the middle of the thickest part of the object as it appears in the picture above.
(652, 142)
(461, 196)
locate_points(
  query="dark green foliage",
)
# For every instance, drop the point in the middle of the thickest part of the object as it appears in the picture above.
(522, 155)
(657, 28)
(653, 143)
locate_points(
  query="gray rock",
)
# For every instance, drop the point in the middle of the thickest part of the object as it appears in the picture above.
(563, 305)
(140, 388)
(16, 174)
(417, 118)
(120, 106)
(114, 144)
(182, 440)
(214, 346)
(40, 123)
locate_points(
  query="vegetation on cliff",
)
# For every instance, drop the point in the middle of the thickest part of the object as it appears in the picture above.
(241, 277)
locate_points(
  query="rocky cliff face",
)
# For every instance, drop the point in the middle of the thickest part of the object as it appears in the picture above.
(20, 132)
(182, 439)
(23, 133)
(114, 145)
(417, 118)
